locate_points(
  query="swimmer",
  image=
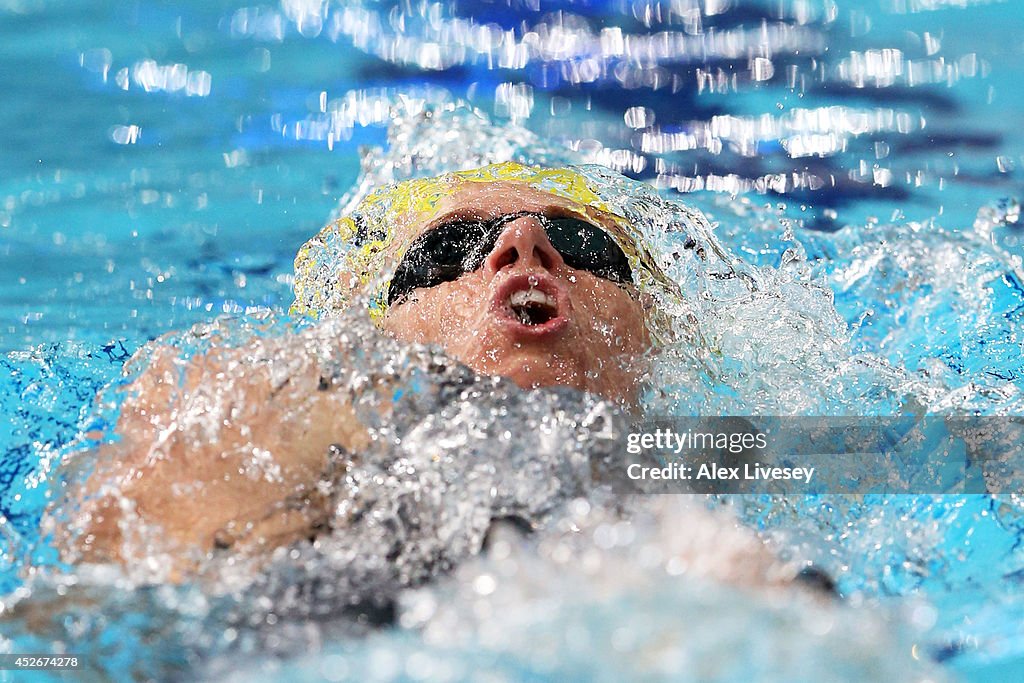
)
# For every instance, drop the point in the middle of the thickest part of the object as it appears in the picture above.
(514, 271)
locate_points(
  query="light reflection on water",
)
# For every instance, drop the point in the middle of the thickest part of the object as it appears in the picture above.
(846, 114)
(186, 151)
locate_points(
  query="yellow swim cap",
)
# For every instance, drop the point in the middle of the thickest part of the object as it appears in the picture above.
(357, 254)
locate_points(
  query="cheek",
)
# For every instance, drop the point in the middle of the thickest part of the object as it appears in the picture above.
(618, 319)
(404, 324)
(436, 315)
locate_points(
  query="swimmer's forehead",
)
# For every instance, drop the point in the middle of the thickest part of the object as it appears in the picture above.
(472, 199)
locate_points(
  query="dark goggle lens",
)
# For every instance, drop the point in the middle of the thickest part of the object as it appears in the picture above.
(441, 255)
(447, 252)
(584, 246)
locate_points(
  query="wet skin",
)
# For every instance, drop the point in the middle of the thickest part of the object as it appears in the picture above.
(595, 337)
(183, 472)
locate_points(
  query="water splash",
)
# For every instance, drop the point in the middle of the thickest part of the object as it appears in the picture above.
(877, 345)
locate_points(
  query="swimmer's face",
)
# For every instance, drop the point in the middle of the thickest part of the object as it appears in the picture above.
(525, 314)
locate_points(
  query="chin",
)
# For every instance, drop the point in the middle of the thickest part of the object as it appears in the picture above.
(528, 378)
(533, 371)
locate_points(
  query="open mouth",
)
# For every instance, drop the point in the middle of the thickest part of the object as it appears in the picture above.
(531, 305)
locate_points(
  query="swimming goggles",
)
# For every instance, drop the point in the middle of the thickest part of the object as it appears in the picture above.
(460, 246)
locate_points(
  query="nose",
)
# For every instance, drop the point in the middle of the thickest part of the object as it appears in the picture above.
(523, 243)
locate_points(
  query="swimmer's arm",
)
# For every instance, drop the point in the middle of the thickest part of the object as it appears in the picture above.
(220, 451)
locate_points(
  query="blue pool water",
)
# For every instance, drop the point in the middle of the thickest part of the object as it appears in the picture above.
(162, 163)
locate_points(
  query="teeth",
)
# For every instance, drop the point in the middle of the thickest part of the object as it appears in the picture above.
(532, 296)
